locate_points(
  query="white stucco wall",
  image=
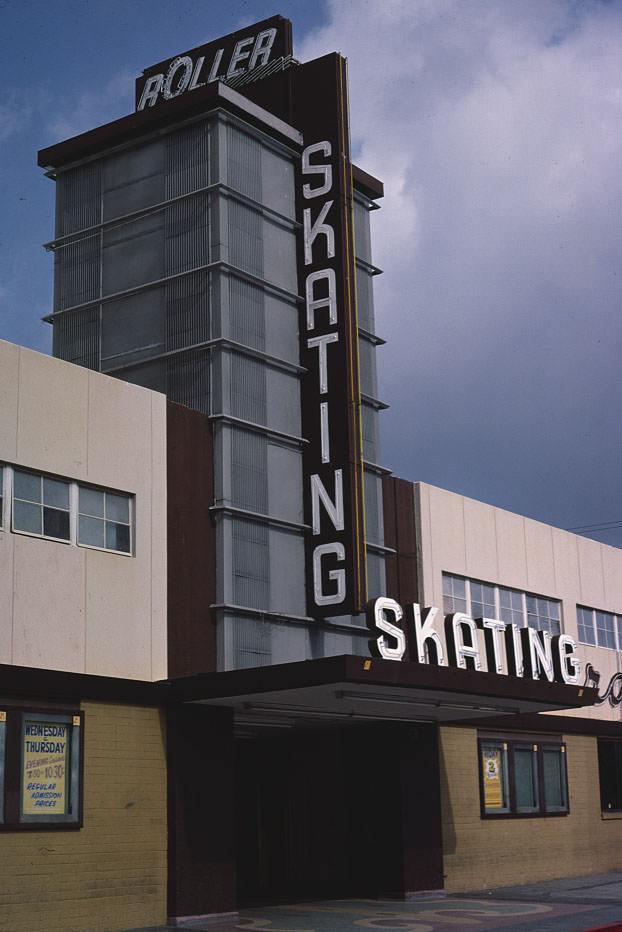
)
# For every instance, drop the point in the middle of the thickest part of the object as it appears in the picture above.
(68, 607)
(468, 538)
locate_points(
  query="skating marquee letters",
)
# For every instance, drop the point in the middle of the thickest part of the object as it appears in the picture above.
(322, 328)
(456, 641)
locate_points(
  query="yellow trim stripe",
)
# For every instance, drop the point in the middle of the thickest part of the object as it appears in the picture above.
(355, 387)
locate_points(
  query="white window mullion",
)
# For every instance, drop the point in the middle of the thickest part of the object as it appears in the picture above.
(8, 498)
(73, 513)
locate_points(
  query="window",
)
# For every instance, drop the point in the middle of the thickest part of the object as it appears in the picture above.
(62, 510)
(103, 519)
(40, 768)
(522, 776)
(602, 629)
(40, 505)
(484, 600)
(610, 774)
(543, 614)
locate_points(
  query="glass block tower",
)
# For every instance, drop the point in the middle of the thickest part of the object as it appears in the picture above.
(179, 259)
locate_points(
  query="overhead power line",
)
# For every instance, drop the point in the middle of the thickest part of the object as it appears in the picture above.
(605, 526)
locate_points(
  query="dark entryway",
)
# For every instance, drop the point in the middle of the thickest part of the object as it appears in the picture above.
(338, 812)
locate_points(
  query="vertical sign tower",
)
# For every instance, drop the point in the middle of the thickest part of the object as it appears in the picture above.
(333, 494)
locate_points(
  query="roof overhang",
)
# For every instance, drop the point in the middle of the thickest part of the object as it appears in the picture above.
(182, 109)
(347, 689)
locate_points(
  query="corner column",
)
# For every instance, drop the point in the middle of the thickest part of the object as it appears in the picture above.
(201, 812)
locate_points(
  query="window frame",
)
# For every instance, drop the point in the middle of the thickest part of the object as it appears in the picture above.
(105, 520)
(583, 613)
(13, 721)
(525, 615)
(41, 504)
(8, 499)
(508, 745)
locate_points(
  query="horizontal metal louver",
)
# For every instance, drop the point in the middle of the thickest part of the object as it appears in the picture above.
(187, 310)
(251, 564)
(187, 380)
(248, 389)
(76, 337)
(249, 470)
(247, 313)
(187, 160)
(244, 163)
(245, 238)
(78, 199)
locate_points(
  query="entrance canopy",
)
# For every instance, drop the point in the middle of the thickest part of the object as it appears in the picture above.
(343, 689)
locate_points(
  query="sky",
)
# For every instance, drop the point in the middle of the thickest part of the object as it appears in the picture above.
(496, 128)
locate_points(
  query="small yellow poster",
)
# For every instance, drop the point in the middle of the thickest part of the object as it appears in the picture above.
(492, 762)
(45, 768)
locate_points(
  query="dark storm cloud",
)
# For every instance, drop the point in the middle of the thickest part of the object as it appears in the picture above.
(496, 128)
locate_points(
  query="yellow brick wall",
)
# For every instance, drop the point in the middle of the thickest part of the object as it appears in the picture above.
(111, 874)
(484, 853)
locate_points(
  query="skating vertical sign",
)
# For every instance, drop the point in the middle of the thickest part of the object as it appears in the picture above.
(333, 476)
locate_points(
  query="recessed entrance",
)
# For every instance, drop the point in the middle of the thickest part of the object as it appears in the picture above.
(320, 814)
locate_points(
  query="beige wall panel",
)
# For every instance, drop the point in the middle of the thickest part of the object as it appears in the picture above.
(481, 540)
(6, 597)
(612, 568)
(511, 549)
(52, 415)
(540, 563)
(566, 557)
(120, 434)
(592, 585)
(159, 668)
(48, 604)
(118, 616)
(447, 524)
(110, 874)
(9, 368)
(430, 591)
(487, 853)
(84, 426)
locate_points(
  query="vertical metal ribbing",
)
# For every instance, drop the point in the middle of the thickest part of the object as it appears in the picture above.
(187, 310)
(244, 163)
(77, 272)
(245, 238)
(78, 199)
(248, 389)
(249, 470)
(369, 422)
(251, 642)
(372, 524)
(187, 160)
(367, 365)
(186, 234)
(187, 378)
(247, 313)
(251, 564)
(76, 337)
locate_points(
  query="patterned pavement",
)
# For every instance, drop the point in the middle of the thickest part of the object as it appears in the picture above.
(439, 915)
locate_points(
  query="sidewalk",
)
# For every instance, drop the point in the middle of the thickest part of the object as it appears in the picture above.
(583, 903)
